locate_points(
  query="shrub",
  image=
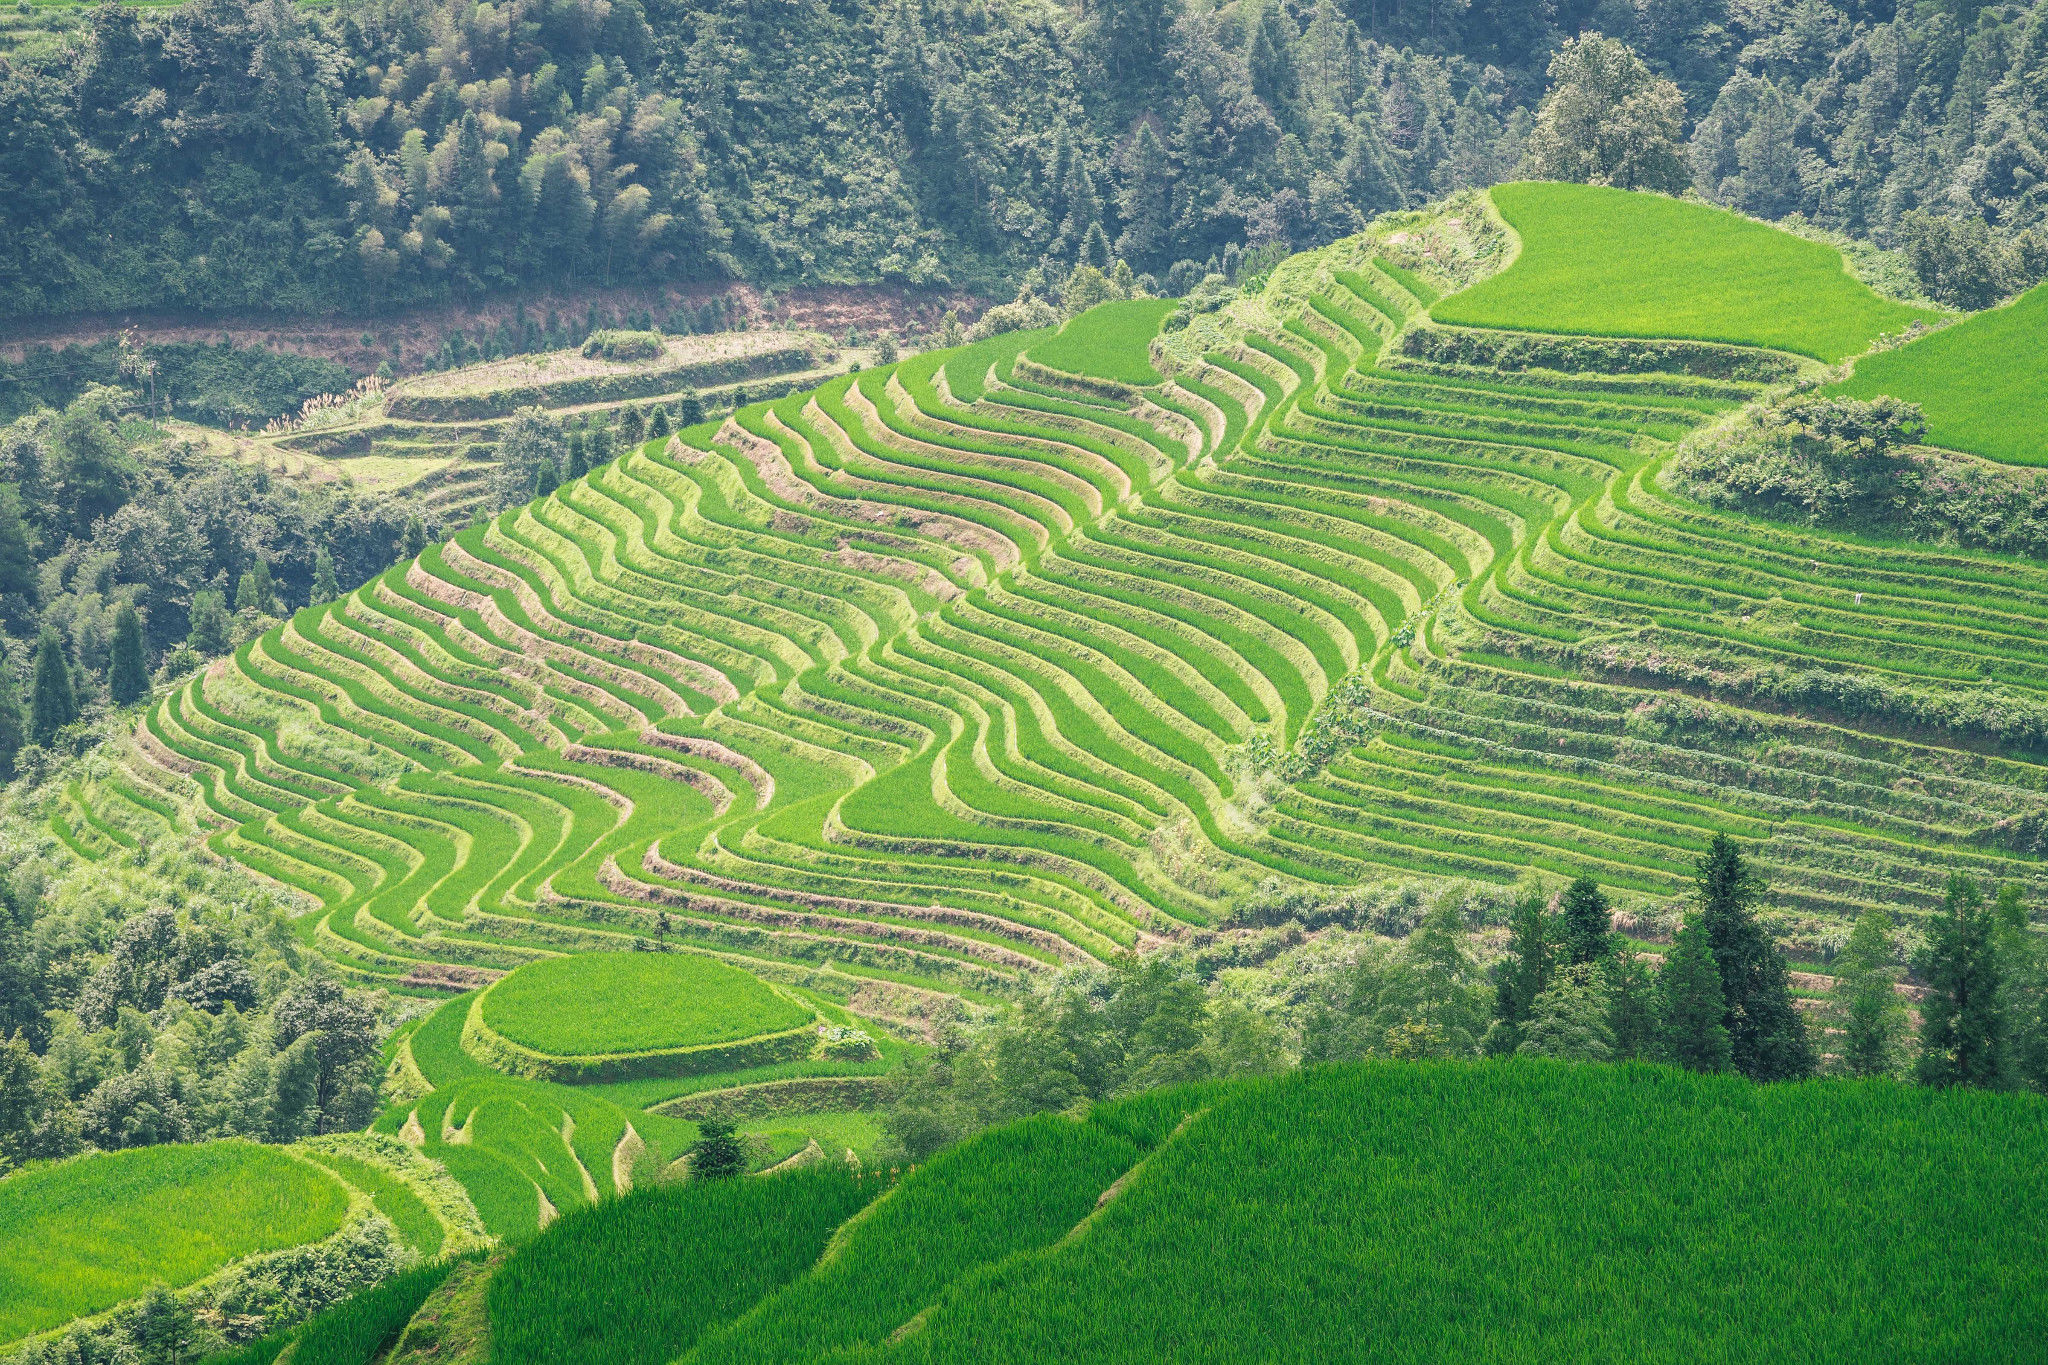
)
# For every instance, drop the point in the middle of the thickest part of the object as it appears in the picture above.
(624, 346)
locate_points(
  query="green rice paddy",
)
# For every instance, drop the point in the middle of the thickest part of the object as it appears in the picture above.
(1110, 341)
(1980, 382)
(82, 1236)
(596, 1003)
(1607, 262)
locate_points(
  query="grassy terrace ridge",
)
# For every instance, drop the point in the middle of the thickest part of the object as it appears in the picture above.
(594, 1003)
(1110, 341)
(1605, 262)
(1979, 382)
(83, 1235)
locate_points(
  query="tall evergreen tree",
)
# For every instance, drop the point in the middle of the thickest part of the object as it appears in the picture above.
(13, 725)
(1588, 923)
(127, 668)
(210, 622)
(718, 1154)
(1631, 1006)
(1864, 1007)
(52, 705)
(1569, 1020)
(413, 541)
(2023, 990)
(325, 589)
(1766, 1034)
(1690, 1001)
(1521, 975)
(1962, 1038)
(1145, 199)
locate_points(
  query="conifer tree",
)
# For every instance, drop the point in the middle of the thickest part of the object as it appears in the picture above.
(1569, 1019)
(1767, 1037)
(1863, 1006)
(1095, 247)
(601, 446)
(52, 705)
(12, 725)
(414, 540)
(718, 1154)
(1520, 976)
(2023, 989)
(325, 589)
(209, 622)
(127, 668)
(1961, 1034)
(1690, 1002)
(657, 421)
(1631, 1005)
(632, 425)
(692, 409)
(246, 593)
(1588, 923)
(578, 462)
(546, 478)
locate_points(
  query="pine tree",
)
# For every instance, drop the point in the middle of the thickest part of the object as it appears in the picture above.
(1095, 247)
(2023, 989)
(1631, 1005)
(1145, 198)
(578, 458)
(127, 669)
(1588, 923)
(246, 593)
(601, 446)
(209, 622)
(325, 589)
(546, 478)
(1766, 1033)
(691, 409)
(657, 422)
(632, 425)
(414, 540)
(1569, 1020)
(718, 1154)
(1961, 1033)
(12, 724)
(1690, 1002)
(266, 590)
(52, 705)
(1863, 1006)
(1520, 976)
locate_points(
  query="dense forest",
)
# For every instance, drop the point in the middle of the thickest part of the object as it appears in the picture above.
(230, 154)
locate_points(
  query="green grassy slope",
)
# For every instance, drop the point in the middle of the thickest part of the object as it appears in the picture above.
(84, 1235)
(1515, 1211)
(1608, 262)
(1503, 1213)
(1980, 382)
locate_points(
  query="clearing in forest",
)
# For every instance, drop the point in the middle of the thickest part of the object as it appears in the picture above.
(1980, 382)
(1607, 262)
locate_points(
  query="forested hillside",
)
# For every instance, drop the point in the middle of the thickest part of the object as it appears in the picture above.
(223, 155)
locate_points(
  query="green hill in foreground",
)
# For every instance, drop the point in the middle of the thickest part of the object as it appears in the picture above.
(1606, 262)
(1980, 382)
(1430, 1212)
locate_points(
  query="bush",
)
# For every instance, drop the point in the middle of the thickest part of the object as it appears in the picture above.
(1832, 459)
(623, 346)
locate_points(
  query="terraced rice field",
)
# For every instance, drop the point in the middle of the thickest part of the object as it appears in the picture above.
(79, 1237)
(944, 674)
(1607, 262)
(616, 1002)
(1979, 382)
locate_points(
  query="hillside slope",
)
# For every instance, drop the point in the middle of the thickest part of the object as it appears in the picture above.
(954, 671)
(1387, 1211)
